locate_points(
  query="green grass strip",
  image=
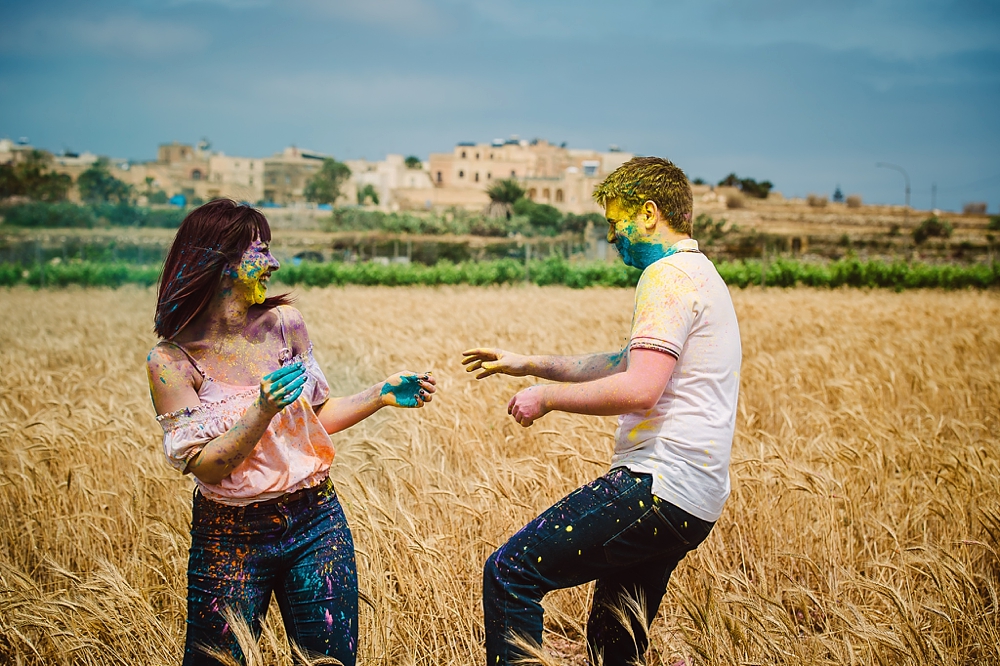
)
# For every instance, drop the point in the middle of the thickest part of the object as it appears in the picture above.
(779, 273)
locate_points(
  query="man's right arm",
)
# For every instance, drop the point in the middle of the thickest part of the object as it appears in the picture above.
(572, 369)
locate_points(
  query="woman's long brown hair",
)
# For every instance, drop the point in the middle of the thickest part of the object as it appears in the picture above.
(211, 237)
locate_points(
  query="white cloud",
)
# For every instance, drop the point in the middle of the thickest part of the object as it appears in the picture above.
(377, 93)
(405, 15)
(118, 36)
(231, 4)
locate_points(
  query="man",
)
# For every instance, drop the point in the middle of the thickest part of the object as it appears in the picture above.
(674, 387)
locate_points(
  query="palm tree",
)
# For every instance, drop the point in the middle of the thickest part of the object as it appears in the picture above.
(503, 194)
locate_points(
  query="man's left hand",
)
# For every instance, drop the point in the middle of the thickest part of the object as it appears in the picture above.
(528, 405)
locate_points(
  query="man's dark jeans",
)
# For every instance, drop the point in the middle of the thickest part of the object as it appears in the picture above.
(612, 530)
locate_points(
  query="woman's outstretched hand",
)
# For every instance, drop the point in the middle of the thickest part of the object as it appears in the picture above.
(282, 387)
(408, 389)
(493, 361)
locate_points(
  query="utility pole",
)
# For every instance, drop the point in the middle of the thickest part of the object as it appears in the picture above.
(896, 167)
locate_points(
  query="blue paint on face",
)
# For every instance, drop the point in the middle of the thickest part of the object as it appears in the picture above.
(640, 254)
(406, 392)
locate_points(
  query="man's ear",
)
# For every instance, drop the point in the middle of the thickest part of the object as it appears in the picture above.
(651, 213)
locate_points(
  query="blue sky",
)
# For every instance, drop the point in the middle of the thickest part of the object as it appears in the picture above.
(807, 93)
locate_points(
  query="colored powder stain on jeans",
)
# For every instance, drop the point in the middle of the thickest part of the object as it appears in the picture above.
(405, 393)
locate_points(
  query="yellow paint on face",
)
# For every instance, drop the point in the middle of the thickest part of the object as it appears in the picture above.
(255, 266)
(259, 292)
(618, 219)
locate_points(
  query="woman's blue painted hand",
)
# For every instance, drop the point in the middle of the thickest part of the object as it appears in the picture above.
(408, 389)
(282, 387)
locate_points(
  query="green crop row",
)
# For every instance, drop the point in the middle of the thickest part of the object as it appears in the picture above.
(555, 270)
(85, 273)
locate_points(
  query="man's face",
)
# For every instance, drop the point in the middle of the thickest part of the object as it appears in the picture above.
(623, 232)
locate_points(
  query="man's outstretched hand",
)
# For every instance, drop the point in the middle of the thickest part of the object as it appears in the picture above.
(489, 361)
(528, 405)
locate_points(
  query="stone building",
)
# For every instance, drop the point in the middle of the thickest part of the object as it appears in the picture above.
(237, 178)
(551, 174)
(398, 186)
(287, 173)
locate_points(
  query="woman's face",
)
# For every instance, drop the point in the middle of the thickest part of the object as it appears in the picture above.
(253, 271)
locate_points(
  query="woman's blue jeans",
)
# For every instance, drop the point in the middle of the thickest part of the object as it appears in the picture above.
(299, 548)
(612, 530)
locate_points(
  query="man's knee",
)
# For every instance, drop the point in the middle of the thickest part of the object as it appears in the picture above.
(504, 568)
(494, 572)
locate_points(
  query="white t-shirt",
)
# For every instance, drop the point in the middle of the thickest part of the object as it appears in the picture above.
(683, 308)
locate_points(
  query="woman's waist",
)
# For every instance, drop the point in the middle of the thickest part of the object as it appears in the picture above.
(245, 489)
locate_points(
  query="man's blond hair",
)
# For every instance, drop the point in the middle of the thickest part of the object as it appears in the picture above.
(655, 179)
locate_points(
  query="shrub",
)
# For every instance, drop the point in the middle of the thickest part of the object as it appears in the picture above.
(68, 215)
(974, 208)
(854, 201)
(97, 185)
(32, 178)
(748, 186)
(816, 200)
(707, 230)
(49, 215)
(994, 223)
(158, 197)
(325, 184)
(735, 201)
(932, 227)
(578, 223)
(543, 218)
(366, 194)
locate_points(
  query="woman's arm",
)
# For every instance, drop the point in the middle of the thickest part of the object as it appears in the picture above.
(584, 368)
(171, 382)
(637, 389)
(404, 389)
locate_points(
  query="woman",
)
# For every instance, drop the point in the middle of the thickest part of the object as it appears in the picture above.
(245, 409)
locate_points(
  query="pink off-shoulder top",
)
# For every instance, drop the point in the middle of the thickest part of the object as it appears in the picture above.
(294, 452)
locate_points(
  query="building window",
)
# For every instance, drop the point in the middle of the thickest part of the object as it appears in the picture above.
(477, 156)
(251, 166)
(461, 174)
(196, 175)
(532, 193)
(513, 174)
(559, 196)
(251, 180)
(546, 194)
(590, 167)
(476, 178)
(439, 176)
(463, 154)
(489, 175)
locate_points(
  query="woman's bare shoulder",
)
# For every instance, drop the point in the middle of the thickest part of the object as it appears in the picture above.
(169, 363)
(173, 380)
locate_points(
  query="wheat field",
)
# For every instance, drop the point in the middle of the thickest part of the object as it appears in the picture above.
(863, 528)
